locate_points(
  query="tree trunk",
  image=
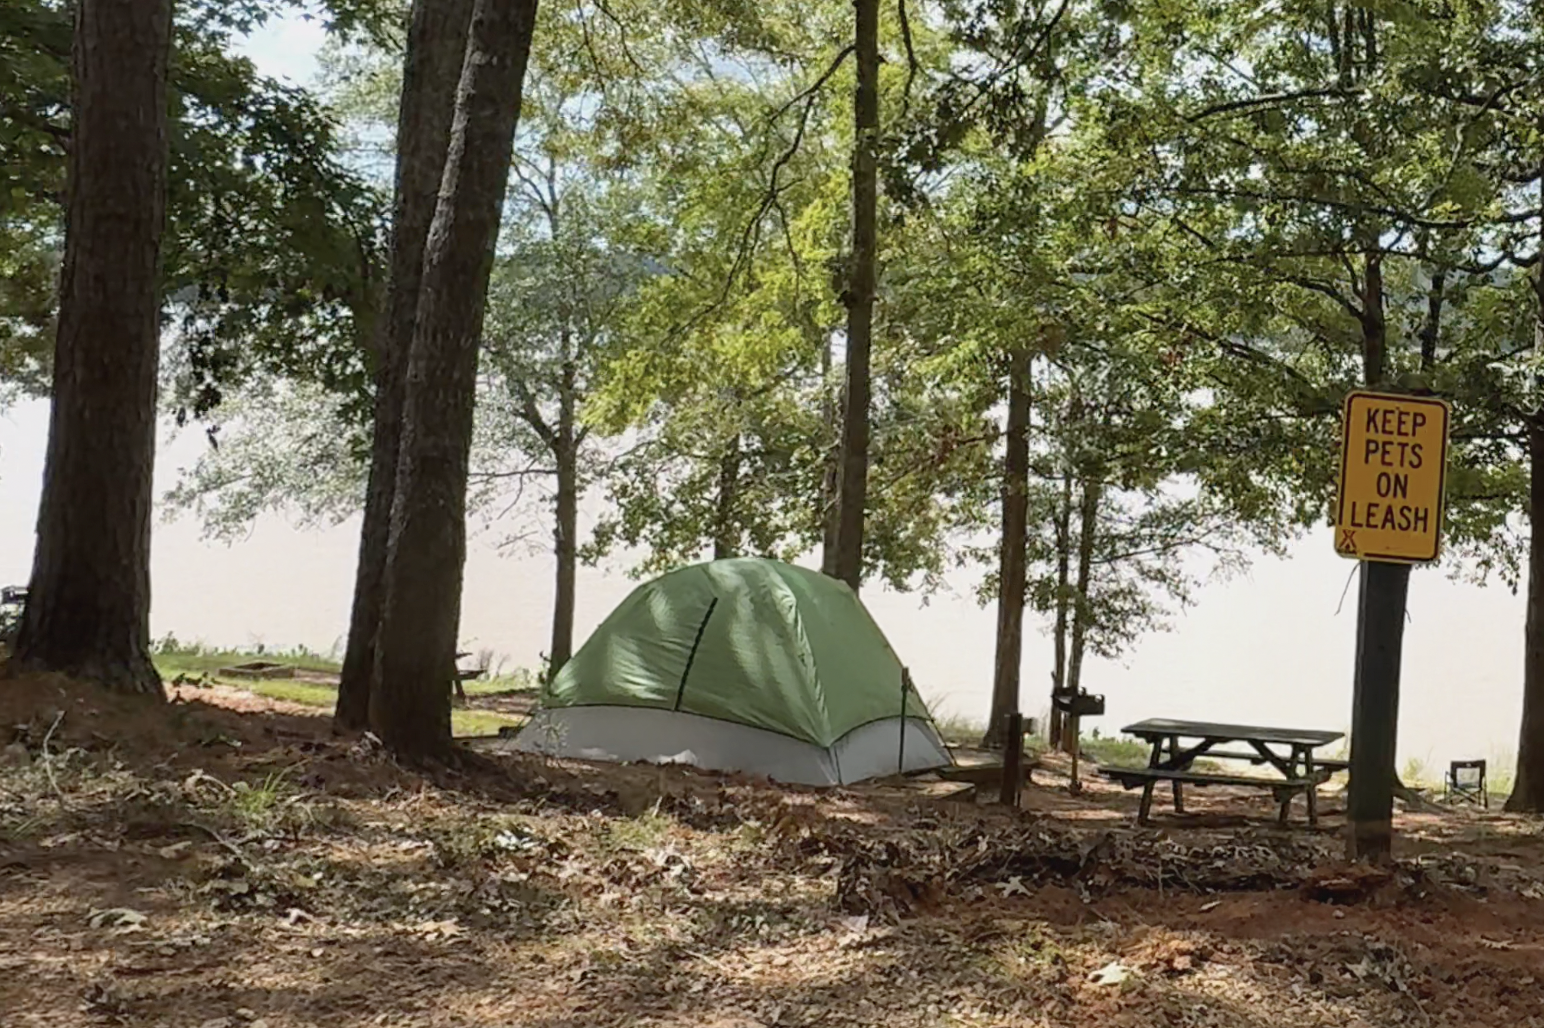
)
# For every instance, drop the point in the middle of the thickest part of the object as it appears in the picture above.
(1011, 567)
(852, 494)
(1431, 328)
(436, 46)
(726, 542)
(1063, 603)
(566, 550)
(830, 479)
(1374, 324)
(1082, 610)
(88, 604)
(565, 534)
(1528, 788)
(426, 550)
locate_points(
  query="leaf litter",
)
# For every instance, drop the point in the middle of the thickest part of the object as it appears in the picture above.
(296, 879)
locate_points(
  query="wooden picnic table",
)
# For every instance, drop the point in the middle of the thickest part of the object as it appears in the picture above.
(1172, 761)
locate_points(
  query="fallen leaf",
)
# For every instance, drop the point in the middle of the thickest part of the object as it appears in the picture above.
(1112, 973)
(120, 918)
(1213, 905)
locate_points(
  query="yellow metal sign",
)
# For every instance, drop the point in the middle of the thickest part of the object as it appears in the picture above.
(1393, 462)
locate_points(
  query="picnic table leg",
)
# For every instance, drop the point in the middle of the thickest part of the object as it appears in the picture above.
(1147, 804)
(1313, 789)
(1153, 760)
(1179, 796)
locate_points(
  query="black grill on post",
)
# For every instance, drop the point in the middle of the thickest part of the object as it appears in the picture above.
(1076, 706)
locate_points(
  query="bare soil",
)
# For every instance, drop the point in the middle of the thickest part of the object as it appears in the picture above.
(226, 861)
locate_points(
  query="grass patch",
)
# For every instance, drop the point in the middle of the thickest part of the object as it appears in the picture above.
(959, 730)
(308, 693)
(173, 658)
(462, 722)
(644, 832)
(501, 684)
(479, 722)
(195, 661)
(1115, 751)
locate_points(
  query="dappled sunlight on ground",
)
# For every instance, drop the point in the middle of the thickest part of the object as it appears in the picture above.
(229, 862)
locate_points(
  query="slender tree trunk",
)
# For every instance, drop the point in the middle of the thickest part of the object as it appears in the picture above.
(831, 419)
(1374, 324)
(1431, 328)
(1082, 609)
(1528, 788)
(566, 550)
(1012, 555)
(426, 551)
(88, 605)
(436, 46)
(565, 534)
(1063, 605)
(852, 496)
(726, 535)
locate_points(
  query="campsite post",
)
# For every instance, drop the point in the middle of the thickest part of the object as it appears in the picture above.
(1388, 516)
(1013, 759)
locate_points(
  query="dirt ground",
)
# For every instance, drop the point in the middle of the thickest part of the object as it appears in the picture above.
(228, 863)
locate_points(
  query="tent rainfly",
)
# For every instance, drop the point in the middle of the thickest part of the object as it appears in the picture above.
(740, 665)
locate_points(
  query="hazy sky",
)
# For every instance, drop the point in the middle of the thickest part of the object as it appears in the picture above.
(1268, 647)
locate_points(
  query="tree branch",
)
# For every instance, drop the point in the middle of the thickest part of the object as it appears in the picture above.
(1235, 106)
(530, 413)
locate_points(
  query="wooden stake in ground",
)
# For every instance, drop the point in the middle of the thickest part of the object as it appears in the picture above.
(426, 551)
(88, 604)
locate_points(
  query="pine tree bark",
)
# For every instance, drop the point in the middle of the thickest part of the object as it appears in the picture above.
(426, 549)
(565, 535)
(1528, 787)
(1012, 569)
(88, 604)
(852, 491)
(436, 46)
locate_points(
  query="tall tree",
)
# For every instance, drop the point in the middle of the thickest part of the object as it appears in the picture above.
(852, 480)
(88, 609)
(1528, 787)
(426, 549)
(436, 47)
(1012, 568)
(554, 305)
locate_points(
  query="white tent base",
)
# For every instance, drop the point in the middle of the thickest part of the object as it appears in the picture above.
(666, 736)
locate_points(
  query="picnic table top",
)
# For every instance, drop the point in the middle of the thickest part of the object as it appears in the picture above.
(1156, 728)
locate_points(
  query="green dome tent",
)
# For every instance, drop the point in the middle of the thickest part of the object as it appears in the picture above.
(745, 665)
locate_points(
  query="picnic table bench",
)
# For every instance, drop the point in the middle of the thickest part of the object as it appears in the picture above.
(464, 675)
(1174, 763)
